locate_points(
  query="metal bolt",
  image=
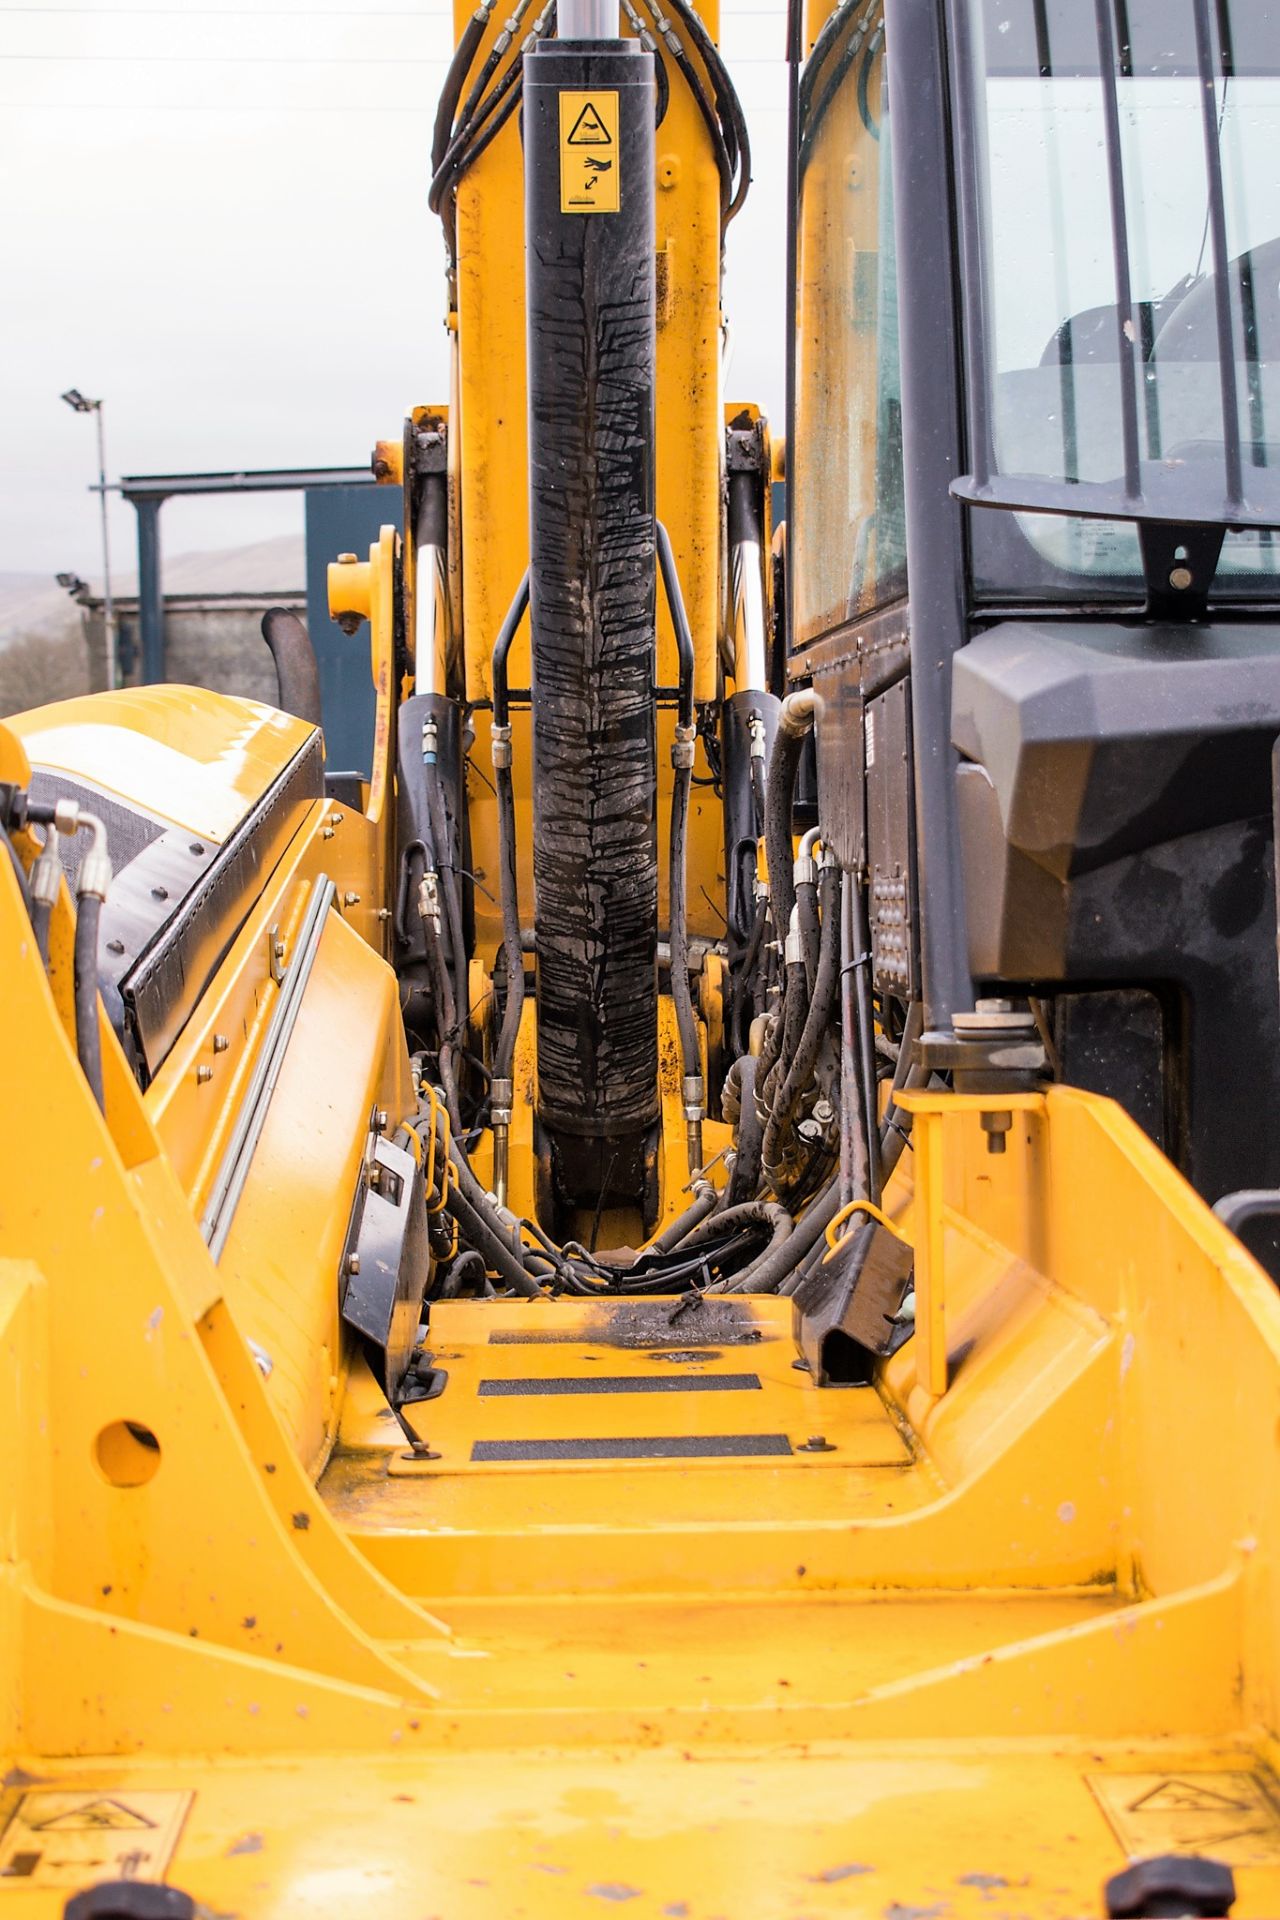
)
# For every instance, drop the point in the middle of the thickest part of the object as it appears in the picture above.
(380, 1120)
(115, 946)
(326, 833)
(336, 819)
(1181, 578)
(160, 893)
(996, 1126)
(353, 1263)
(220, 1043)
(823, 1112)
(346, 560)
(351, 899)
(197, 847)
(203, 1076)
(809, 1130)
(278, 949)
(384, 913)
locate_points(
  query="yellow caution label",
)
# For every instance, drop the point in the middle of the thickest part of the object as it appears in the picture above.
(71, 1837)
(589, 153)
(1230, 1816)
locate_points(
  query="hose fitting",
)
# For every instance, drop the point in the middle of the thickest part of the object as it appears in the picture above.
(429, 898)
(94, 877)
(684, 746)
(798, 712)
(46, 871)
(500, 746)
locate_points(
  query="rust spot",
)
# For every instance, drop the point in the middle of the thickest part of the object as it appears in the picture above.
(302, 1521)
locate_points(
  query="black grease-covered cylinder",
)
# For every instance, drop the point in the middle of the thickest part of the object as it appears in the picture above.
(592, 353)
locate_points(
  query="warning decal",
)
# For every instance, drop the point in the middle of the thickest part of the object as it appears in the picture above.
(589, 153)
(70, 1838)
(1228, 1815)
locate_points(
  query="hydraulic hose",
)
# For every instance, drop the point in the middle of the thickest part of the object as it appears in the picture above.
(732, 120)
(459, 67)
(804, 876)
(682, 753)
(740, 1086)
(795, 719)
(784, 1276)
(502, 1091)
(705, 1201)
(88, 1038)
(799, 1070)
(749, 1213)
(474, 1227)
(46, 882)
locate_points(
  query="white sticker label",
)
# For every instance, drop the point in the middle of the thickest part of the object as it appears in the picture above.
(74, 1837)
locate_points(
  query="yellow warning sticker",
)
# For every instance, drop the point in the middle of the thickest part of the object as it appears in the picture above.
(72, 1838)
(1229, 1815)
(589, 153)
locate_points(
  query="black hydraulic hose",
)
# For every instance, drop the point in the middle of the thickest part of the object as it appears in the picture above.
(671, 1237)
(297, 673)
(831, 88)
(512, 944)
(459, 67)
(484, 1237)
(680, 625)
(860, 962)
(795, 718)
(728, 106)
(809, 923)
(678, 882)
(446, 868)
(784, 1276)
(444, 173)
(799, 1069)
(707, 108)
(834, 27)
(749, 1213)
(745, 1178)
(88, 1037)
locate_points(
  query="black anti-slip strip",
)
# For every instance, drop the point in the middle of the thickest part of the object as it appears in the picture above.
(691, 1446)
(623, 1383)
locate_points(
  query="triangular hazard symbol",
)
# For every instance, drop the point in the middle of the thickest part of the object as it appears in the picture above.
(1189, 1796)
(99, 1816)
(589, 130)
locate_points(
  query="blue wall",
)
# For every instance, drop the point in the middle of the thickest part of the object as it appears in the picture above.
(344, 520)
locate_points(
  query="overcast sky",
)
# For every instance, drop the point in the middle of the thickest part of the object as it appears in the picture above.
(171, 176)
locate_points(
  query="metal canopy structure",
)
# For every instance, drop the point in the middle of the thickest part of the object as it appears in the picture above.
(147, 493)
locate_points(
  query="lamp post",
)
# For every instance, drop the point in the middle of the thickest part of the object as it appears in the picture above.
(78, 404)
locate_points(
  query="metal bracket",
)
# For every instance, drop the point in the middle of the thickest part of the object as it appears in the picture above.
(1179, 565)
(386, 1262)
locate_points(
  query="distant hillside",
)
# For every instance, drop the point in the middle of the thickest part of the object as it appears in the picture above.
(42, 650)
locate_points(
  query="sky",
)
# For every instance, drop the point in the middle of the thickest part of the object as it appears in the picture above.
(173, 178)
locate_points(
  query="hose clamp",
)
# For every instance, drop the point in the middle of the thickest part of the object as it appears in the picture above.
(756, 735)
(500, 746)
